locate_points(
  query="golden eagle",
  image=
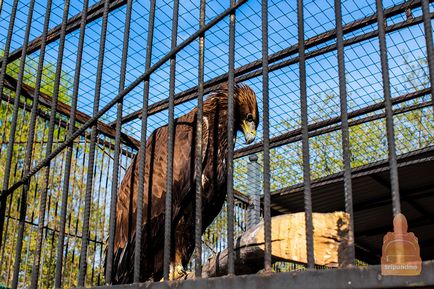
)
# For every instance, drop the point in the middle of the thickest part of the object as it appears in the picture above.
(214, 144)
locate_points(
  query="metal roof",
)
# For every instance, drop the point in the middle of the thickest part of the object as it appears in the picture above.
(372, 201)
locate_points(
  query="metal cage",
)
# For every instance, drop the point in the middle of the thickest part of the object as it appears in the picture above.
(347, 124)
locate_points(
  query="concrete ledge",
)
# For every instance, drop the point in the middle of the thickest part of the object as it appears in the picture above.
(355, 278)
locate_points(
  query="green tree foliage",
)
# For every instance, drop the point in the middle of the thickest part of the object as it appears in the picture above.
(98, 223)
(413, 130)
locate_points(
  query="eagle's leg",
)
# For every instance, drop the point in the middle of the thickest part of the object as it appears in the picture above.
(177, 271)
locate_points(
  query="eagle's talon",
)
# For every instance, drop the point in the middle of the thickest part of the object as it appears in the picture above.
(183, 273)
(177, 272)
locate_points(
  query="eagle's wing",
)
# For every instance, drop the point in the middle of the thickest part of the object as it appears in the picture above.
(184, 157)
(155, 174)
(205, 139)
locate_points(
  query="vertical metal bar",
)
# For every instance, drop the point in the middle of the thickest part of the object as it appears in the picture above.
(305, 138)
(198, 158)
(266, 137)
(13, 244)
(57, 166)
(30, 139)
(4, 127)
(67, 246)
(13, 124)
(91, 163)
(23, 208)
(253, 173)
(115, 176)
(16, 173)
(349, 252)
(108, 176)
(127, 90)
(170, 145)
(51, 126)
(27, 254)
(230, 157)
(3, 249)
(142, 150)
(98, 198)
(429, 46)
(8, 45)
(57, 273)
(69, 152)
(75, 241)
(389, 114)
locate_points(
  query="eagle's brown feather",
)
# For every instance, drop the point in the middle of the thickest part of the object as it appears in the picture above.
(214, 145)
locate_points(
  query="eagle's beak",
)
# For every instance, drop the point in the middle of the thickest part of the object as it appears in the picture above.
(249, 131)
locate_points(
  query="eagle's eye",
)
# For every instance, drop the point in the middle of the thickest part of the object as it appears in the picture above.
(249, 117)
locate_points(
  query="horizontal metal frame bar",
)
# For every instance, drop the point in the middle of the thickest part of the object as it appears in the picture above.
(61, 122)
(337, 127)
(121, 95)
(364, 249)
(239, 196)
(264, 280)
(254, 148)
(405, 196)
(415, 223)
(287, 138)
(73, 24)
(356, 278)
(379, 166)
(56, 231)
(191, 93)
(414, 194)
(65, 109)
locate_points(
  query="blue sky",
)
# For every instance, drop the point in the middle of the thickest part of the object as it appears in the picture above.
(406, 48)
(363, 72)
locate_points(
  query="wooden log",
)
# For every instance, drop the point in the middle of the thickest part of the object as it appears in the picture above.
(288, 244)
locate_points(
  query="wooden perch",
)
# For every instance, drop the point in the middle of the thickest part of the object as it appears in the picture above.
(288, 239)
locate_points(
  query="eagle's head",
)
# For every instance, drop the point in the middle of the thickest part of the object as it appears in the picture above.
(246, 111)
(246, 115)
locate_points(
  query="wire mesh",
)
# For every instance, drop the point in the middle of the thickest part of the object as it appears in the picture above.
(410, 112)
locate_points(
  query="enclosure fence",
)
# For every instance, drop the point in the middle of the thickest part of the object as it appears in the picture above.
(345, 90)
